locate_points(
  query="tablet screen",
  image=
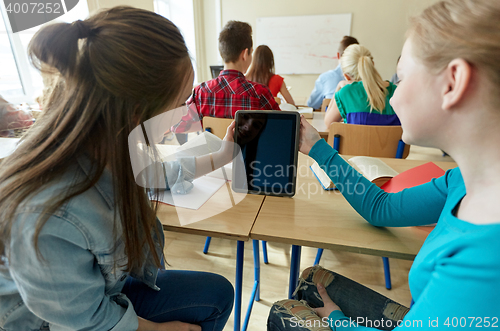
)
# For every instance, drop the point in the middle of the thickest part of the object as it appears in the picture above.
(269, 145)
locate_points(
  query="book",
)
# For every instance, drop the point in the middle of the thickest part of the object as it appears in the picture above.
(374, 169)
(379, 173)
(8, 146)
(413, 177)
(306, 111)
(322, 177)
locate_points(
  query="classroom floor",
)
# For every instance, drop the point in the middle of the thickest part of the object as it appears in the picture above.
(184, 251)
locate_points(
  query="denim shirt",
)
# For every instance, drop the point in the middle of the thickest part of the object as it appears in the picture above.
(325, 87)
(77, 283)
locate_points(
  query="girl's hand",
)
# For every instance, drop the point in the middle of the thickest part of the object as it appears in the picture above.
(328, 304)
(230, 132)
(308, 136)
(226, 151)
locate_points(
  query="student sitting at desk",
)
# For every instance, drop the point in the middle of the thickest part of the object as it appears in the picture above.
(13, 121)
(448, 99)
(80, 244)
(262, 71)
(327, 82)
(230, 91)
(363, 98)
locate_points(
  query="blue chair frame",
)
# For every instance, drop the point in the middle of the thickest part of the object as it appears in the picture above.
(255, 296)
(264, 249)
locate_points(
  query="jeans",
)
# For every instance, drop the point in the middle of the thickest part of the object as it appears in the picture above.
(356, 301)
(200, 298)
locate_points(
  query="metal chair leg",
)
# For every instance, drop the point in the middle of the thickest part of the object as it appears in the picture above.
(264, 251)
(387, 273)
(207, 245)
(294, 270)
(240, 250)
(256, 286)
(318, 256)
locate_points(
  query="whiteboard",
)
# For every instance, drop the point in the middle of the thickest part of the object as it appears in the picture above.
(303, 44)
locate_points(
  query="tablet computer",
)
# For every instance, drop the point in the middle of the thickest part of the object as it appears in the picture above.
(269, 144)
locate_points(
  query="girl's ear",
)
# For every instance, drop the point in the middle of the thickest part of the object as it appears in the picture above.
(347, 77)
(457, 81)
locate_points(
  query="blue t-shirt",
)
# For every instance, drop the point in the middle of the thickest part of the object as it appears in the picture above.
(455, 278)
(325, 87)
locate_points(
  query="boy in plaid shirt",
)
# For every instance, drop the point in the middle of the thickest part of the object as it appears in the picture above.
(230, 91)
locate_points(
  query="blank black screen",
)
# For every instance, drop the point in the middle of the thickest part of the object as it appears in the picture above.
(268, 145)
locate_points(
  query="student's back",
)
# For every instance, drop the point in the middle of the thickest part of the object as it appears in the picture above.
(364, 97)
(12, 119)
(262, 71)
(326, 84)
(353, 106)
(230, 91)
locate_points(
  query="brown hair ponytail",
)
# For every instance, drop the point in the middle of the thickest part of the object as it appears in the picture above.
(57, 46)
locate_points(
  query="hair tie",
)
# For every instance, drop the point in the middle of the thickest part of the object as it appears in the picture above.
(84, 31)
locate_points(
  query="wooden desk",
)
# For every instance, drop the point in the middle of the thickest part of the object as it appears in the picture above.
(233, 223)
(318, 122)
(324, 219)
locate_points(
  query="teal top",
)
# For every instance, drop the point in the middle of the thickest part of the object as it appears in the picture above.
(455, 278)
(354, 106)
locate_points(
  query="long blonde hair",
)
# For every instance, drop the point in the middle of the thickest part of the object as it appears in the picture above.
(357, 62)
(467, 29)
(118, 68)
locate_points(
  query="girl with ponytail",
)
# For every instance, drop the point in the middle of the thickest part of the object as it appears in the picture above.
(80, 245)
(363, 98)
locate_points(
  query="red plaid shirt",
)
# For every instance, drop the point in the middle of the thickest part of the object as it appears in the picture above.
(223, 96)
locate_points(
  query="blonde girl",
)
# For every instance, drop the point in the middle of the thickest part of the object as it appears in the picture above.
(363, 98)
(448, 99)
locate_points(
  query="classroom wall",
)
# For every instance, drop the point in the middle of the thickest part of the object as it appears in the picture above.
(379, 25)
(207, 25)
(212, 26)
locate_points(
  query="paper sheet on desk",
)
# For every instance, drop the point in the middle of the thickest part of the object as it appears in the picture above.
(7, 146)
(228, 168)
(306, 111)
(204, 188)
(188, 213)
(198, 204)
